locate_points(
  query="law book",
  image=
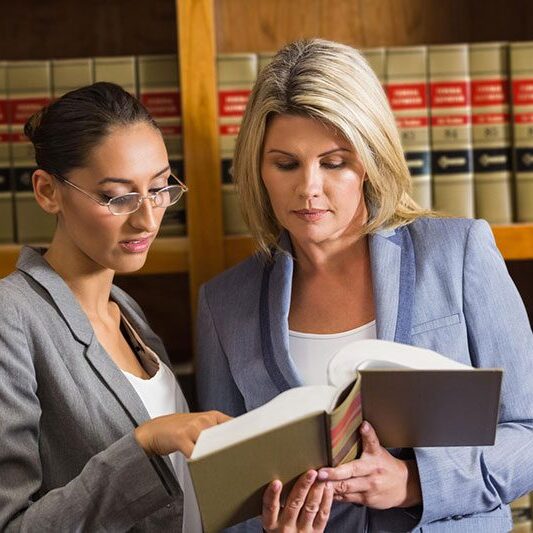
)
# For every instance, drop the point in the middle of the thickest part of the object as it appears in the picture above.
(377, 59)
(522, 515)
(451, 131)
(29, 89)
(407, 91)
(117, 69)
(522, 98)
(491, 132)
(412, 396)
(236, 75)
(159, 92)
(70, 74)
(263, 59)
(6, 194)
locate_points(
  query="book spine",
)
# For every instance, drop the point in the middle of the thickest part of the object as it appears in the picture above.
(451, 131)
(377, 59)
(491, 132)
(159, 93)
(264, 59)
(407, 91)
(236, 76)
(522, 98)
(6, 195)
(70, 74)
(120, 70)
(29, 89)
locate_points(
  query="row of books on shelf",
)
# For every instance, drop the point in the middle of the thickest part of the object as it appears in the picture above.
(522, 514)
(465, 115)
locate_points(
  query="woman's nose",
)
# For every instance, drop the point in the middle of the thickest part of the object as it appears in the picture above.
(144, 218)
(310, 182)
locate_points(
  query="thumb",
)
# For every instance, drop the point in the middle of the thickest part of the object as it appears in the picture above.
(370, 440)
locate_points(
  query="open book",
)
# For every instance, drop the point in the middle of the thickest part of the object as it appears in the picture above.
(412, 396)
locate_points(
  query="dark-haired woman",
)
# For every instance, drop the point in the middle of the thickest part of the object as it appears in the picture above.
(93, 426)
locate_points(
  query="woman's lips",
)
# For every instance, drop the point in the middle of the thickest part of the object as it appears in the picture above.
(136, 246)
(311, 215)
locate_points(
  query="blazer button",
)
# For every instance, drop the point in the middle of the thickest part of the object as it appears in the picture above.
(169, 505)
(457, 517)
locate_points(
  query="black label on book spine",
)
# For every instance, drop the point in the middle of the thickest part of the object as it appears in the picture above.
(5, 180)
(524, 159)
(492, 160)
(226, 171)
(419, 163)
(23, 178)
(451, 162)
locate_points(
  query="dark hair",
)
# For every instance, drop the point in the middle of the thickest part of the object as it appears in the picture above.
(64, 132)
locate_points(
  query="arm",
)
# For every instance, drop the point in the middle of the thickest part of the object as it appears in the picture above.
(107, 492)
(215, 384)
(499, 335)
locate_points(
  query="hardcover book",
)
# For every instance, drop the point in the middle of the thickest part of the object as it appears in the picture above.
(120, 70)
(70, 74)
(522, 95)
(491, 132)
(377, 59)
(451, 132)
(407, 91)
(6, 193)
(236, 76)
(29, 89)
(159, 93)
(412, 396)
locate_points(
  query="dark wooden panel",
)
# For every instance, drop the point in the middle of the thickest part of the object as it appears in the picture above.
(522, 274)
(36, 29)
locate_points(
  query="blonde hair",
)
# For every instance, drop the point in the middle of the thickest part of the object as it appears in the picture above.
(332, 83)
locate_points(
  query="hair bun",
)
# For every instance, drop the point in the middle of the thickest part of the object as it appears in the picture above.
(33, 123)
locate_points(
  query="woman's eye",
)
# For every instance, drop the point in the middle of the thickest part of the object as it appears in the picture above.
(105, 197)
(290, 165)
(155, 190)
(332, 165)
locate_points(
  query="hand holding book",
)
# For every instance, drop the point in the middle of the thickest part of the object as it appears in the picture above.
(377, 479)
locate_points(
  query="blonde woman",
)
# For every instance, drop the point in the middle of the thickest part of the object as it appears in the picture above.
(346, 254)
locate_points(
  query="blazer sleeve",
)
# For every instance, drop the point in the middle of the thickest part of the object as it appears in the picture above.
(106, 495)
(462, 481)
(214, 382)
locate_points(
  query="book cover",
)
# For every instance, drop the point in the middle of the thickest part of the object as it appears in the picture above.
(236, 76)
(412, 396)
(377, 59)
(159, 92)
(451, 131)
(491, 132)
(6, 194)
(407, 91)
(70, 74)
(29, 89)
(522, 99)
(119, 69)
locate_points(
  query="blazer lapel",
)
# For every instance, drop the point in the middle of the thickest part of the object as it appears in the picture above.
(393, 277)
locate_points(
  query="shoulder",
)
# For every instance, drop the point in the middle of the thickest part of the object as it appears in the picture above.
(18, 294)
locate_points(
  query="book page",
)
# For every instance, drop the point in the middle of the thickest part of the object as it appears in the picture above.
(289, 406)
(384, 354)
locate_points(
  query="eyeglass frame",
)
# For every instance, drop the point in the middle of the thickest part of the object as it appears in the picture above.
(150, 197)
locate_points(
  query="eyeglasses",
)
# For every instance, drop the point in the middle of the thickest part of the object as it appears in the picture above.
(126, 204)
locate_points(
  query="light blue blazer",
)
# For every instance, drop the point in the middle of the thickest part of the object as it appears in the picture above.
(438, 283)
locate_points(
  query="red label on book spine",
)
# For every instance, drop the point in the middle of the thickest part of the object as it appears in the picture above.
(489, 92)
(490, 118)
(523, 92)
(170, 130)
(450, 120)
(229, 129)
(233, 103)
(3, 111)
(523, 118)
(411, 122)
(407, 95)
(24, 108)
(4, 137)
(450, 94)
(162, 104)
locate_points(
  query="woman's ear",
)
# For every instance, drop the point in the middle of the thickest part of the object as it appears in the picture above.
(46, 190)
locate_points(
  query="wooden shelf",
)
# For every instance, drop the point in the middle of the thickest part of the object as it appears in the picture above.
(170, 255)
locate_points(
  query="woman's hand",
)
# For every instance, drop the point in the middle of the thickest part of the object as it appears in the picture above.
(376, 479)
(306, 509)
(179, 432)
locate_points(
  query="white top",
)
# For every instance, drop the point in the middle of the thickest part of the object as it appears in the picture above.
(161, 395)
(312, 352)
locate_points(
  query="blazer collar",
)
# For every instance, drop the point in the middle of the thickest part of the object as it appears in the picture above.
(393, 273)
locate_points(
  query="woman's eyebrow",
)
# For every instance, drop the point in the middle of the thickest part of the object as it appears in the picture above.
(275, 150)
(110, 179)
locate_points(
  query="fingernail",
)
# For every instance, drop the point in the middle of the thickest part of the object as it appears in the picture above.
(276, 485)
(322, 475)
(329, 486)
(365, 427)
(310, 475)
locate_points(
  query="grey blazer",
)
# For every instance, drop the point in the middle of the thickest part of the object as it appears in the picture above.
(439, 284)
(68, 457)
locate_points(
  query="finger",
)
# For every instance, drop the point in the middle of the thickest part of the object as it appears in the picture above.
(371, 443)
(321, 518)
(350, 486)
(296, 498)
(311, 506)
(271, 505)
(220, 418)
(357, 468)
